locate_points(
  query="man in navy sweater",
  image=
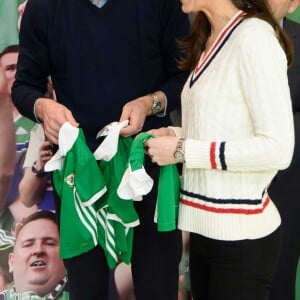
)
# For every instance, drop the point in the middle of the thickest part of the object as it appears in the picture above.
(109, 60)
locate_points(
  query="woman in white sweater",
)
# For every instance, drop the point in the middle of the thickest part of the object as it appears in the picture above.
(237, 132)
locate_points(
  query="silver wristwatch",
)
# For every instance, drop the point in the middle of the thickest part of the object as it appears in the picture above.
(179, 153)
(156, 105)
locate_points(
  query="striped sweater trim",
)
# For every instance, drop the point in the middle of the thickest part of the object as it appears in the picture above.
(218, 45)
(233, 206)
(217, 156)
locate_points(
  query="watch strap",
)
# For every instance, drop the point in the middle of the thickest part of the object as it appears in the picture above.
(156, 104)
(36, 172)
(179, 152)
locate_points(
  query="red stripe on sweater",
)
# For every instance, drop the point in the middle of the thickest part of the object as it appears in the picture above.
(216, 44)
(226, 210)
(213, 155)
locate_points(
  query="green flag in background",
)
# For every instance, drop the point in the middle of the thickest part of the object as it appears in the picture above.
(8, 22)
(295, 16)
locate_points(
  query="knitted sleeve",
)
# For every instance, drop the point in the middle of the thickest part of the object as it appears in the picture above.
(264, 85)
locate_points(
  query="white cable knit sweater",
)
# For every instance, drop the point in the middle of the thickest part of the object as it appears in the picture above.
(238, 122)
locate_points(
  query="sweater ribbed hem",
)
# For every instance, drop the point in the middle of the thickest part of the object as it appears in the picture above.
(229, 227)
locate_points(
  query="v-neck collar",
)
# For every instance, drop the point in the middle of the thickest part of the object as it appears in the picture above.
(206, 59)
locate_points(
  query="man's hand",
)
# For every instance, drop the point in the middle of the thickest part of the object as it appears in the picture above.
(53, 115)
(136, 112)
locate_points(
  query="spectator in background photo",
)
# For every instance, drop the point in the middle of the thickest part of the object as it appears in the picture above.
(7, 242)
(285, 188)
(5, 276)
(38, 271)
(7, 133)
(15, 209)
(29, 185)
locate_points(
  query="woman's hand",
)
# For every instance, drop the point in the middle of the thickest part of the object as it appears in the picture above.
(163, 131)
(161, 149)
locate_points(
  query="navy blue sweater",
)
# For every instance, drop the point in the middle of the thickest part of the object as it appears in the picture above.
(99, 59)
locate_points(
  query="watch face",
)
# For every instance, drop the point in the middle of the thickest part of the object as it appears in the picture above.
(179, 156)
(156, 108)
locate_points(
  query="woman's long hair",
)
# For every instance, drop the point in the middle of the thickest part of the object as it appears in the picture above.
(193, 45)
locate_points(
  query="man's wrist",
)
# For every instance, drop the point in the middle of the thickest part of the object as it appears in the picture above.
(37, 110)
(157, 103)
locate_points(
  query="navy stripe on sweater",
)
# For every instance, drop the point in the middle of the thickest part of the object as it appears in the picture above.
(221, 201)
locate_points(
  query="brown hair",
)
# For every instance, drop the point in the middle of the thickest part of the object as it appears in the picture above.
(40, 214)
(193, 45)
(10, 49)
